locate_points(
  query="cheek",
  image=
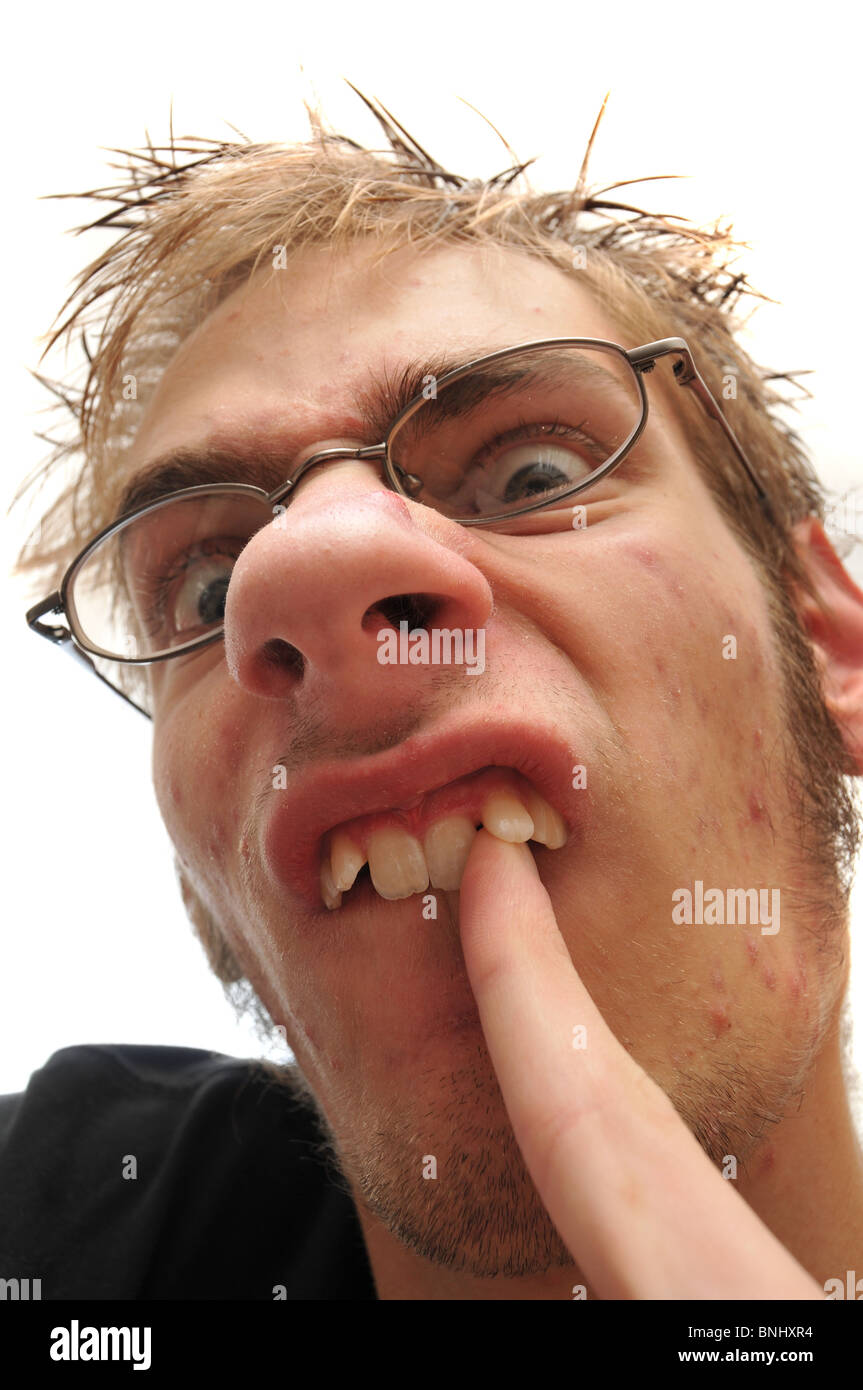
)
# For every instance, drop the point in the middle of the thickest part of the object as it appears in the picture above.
(696, 661)
(197, 767)
(694, 685)
(671, 645)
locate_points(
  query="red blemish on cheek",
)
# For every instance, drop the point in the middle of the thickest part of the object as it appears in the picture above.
(752, 948)
(644, 555)
(798, 981)
(757, 738)
(719, 1020)
(798, 985)
(756, 807)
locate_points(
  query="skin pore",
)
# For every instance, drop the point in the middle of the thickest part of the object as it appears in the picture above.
(604, 646)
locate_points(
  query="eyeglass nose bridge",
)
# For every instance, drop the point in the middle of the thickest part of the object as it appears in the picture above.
(367, 452)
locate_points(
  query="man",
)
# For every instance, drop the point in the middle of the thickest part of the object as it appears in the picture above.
(504, 764)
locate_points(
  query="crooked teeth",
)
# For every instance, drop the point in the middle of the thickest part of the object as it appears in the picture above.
(400, 866)
(505, 817)
(549, 828)
(331, 896)
(397, 863)
(447, 846)
(346, 860)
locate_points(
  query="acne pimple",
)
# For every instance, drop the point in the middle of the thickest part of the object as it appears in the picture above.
(756, 807)
(644, 555)
(768, 1160)
(719, 1020)
(752, 948)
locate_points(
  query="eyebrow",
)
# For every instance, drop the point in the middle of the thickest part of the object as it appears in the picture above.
(267, 466)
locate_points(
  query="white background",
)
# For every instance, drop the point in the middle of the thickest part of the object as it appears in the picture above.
(756, 104)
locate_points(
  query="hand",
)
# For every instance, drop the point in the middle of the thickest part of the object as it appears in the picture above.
(635, 1198)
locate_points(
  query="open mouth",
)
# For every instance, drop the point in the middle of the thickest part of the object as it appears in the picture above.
(425, 844)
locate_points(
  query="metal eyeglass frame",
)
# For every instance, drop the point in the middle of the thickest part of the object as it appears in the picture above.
(641, 359)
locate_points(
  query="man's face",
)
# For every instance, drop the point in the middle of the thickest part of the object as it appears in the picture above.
(605, 648)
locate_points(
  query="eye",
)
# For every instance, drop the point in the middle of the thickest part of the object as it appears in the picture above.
(530, 470)
(186, 596)
(198, 600)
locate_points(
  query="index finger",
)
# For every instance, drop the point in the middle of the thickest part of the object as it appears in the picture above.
(626, 1183)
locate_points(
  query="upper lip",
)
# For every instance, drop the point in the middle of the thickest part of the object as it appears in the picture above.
(335, 792)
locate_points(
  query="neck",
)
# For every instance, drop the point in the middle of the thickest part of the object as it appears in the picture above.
(805, 1182)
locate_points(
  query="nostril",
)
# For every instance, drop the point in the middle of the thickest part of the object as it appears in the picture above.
(417, 610)
(281, 656)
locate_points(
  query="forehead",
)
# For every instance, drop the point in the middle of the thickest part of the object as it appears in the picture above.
(291, 350)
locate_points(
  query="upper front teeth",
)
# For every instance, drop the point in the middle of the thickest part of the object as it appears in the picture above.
(399, 865)
(396, 863)
(446, 846)
(504, 816)
(346, 860)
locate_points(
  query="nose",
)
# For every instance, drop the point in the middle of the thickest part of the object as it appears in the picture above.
(348, 559)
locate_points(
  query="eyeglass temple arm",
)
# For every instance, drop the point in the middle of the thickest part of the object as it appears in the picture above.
(61, 635)
(686, 374)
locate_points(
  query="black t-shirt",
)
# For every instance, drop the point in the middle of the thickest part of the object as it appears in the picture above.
(231, 1197)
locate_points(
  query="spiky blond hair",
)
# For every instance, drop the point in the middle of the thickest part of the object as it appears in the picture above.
(196, 216)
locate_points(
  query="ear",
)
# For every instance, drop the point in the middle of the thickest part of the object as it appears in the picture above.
(835, 627)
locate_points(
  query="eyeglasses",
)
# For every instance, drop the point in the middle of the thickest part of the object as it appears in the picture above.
(505, 435)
